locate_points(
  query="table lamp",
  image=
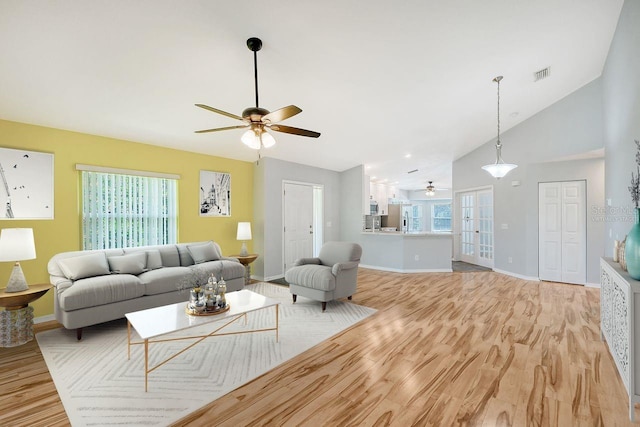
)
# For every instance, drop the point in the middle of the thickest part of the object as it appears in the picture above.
(244, 234)
(16, 244)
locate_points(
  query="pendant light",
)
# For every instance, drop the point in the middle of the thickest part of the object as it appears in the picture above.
(499, 168)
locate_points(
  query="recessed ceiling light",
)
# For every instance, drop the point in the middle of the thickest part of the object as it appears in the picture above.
(407, 156)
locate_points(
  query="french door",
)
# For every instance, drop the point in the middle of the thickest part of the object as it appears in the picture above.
(476, 227)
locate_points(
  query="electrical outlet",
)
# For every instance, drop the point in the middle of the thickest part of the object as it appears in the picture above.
(510, 260)
(416, 257)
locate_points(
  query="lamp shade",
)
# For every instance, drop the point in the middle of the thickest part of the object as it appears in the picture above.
(244, 231)
(16, 244)
(498, 170)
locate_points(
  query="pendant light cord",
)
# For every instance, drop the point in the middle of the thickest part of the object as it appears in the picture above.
(497, 79)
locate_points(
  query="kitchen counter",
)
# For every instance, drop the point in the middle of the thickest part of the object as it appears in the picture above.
(408, 233)
(406, 252)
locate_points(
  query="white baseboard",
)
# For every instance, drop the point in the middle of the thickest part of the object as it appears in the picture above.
(397, 270)
(270, 278)
(592, 285)
(519, 276)
(42, 319)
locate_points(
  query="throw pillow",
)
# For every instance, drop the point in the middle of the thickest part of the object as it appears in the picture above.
(128, 264)
(83, 266)
(204, 252)
(154, 260)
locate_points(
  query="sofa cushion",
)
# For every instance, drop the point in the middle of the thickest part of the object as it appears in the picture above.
(153, 257)
(312, 276)
(80, 267)
(164, 280)
(203, 252)
(134, 263)
(169, 255)
(223, 268)
(94, 291)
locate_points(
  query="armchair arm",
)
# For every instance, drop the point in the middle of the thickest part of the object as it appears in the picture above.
(303, 261)
(229, 258)
(340, 266)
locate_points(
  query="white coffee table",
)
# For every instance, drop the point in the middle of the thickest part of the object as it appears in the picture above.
(154, 323)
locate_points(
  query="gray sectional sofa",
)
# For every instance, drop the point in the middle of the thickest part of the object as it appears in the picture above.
(96, 286)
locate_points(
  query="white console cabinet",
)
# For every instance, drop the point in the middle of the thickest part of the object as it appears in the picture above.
(620, 324)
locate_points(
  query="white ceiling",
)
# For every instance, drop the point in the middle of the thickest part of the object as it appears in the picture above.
(379, 79)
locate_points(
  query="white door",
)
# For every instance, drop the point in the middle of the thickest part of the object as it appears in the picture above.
(562, 249)
(298, 222)
(476, 227)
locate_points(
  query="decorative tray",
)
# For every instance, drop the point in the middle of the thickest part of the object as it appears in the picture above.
(193, 312)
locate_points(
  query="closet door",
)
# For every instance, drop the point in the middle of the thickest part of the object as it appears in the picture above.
(562, 232)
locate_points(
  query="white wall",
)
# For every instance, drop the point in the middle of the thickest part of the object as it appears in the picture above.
(571, 127)
(621, 99)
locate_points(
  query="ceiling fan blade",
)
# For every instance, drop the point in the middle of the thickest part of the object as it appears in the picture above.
(219, 129)
(294, 131)
(281, 114)
(215, 110)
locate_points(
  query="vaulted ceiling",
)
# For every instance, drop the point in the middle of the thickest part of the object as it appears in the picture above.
(396, 86)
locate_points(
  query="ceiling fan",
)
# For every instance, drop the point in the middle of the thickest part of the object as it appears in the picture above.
(431, 190)
(259, 120)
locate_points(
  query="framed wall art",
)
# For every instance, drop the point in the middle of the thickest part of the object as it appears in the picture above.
(26, 184)
(215, 194)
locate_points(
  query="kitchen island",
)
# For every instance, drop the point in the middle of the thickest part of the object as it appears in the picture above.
(406, 252)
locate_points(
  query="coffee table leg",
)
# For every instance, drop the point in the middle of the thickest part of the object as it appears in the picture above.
(277, 310)
(128, 340)
(146, 363)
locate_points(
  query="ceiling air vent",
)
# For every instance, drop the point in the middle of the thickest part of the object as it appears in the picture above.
(415, 170)
(541, 74)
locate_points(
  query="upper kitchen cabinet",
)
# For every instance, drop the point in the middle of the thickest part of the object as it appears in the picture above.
(380, 193)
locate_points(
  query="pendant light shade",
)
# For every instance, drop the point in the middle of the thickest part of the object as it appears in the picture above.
(499, 168)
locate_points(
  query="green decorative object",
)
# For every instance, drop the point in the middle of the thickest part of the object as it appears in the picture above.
(632, 245)
(632, 248)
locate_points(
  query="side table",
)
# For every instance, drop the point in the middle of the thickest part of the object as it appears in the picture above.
(246, 260)
(16, 320)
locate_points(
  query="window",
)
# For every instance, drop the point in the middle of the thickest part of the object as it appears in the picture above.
(121, 210)
(416, 218)
(441, 217)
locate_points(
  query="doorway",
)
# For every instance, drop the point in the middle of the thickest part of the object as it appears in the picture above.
(475, 219)
(562, 216)
(302, 220)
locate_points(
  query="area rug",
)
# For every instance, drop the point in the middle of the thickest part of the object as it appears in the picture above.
(98, 386)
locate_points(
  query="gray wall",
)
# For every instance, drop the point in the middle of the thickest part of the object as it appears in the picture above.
(269, 175)
(352, 184)
(621, 99)
(569, 128)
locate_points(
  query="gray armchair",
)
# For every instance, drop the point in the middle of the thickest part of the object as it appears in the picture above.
(332, 275)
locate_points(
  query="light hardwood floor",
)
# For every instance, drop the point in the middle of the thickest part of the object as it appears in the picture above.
(443, 349)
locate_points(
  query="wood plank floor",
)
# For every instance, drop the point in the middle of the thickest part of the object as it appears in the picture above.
(443, 349)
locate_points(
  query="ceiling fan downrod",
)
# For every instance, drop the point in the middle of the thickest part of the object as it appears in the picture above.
(255, 44)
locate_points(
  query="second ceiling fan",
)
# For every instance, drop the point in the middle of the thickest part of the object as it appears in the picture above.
(259, 120)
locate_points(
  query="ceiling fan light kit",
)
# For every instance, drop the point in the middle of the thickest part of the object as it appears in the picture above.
(499, 168)
(431, 190)
(257, 119)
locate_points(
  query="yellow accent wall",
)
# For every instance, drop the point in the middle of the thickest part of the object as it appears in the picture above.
(63, 233)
